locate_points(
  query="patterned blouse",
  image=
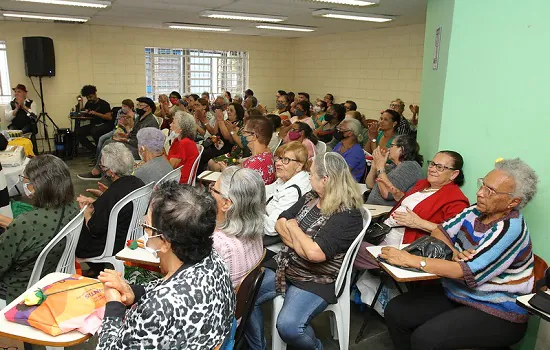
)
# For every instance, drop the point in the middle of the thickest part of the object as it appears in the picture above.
(263, 163)
(193, 309)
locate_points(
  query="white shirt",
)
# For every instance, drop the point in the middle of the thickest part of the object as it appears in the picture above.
(395, 236)
(9, 113)
(283, 196)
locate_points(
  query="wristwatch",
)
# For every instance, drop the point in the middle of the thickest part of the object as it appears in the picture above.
(232, 132)
(423, 263)
(379, 171)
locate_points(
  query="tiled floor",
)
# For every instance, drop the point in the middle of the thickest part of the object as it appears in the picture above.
(376, 337)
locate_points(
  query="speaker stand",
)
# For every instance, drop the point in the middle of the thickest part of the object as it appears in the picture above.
(43, 117)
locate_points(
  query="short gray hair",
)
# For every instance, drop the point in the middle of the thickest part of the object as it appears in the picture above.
(246, 190)
(186, 122)
(524, 176)
(354, 126)
(152, 139)
(225, 100)
(117, 158)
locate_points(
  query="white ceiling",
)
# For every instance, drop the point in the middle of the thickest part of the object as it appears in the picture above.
(153, 13)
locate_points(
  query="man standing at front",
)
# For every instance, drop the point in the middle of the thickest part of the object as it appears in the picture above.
(21, 114)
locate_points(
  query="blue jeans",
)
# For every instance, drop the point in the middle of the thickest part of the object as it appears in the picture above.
(101, 141)
(299, 308)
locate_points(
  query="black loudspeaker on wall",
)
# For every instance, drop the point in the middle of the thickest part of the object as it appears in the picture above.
(39, 56)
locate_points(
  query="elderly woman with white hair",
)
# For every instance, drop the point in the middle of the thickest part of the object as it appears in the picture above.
(183, 150)
(475, 304)
(153, 165)
(317, 232)
(116, 164)
(240, 199)
(348, 134)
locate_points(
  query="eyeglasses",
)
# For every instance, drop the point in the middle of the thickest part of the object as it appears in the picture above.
(143, 225)
(438, 167)
(248, 132)
(342, 130)
(285, 160)
(395, 105)
(488, 190)
(212, 189)
(22, 178)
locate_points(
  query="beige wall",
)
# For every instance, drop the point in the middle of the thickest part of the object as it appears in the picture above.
(112, 58)
(371, 67)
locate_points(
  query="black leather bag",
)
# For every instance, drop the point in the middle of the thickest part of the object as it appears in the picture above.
(428, 247)
(376, 233)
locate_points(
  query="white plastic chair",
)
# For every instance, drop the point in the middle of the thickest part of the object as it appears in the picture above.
(193, 174)
(276, 145)
(140, 200)
(66, 264)
(173, 175)
(321, 147)
(339, 321)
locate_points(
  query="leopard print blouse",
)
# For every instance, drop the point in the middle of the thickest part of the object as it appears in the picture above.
(193, 309)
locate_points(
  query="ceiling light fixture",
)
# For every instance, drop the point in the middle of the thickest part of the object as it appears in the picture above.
(100, 4)
(354, 16)
(197, 27)
(351, 2)
(241, 16)
(287, 28)
(45, 16)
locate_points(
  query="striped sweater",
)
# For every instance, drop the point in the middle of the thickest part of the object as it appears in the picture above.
(502, 268)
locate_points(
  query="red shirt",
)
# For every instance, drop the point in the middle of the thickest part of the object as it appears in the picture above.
(263, 164)
(187, 151)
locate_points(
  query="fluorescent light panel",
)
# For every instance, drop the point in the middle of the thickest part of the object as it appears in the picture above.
(351, 2)
(286, 28)
(241, 16)
(45, 16)
(88, 3)
(354, 16)
(197, 27)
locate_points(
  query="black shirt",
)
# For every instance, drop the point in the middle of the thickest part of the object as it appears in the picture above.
(94, 234)
(100, 106)
(335, 237)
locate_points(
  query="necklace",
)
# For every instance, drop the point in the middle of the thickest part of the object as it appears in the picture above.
(429, 189)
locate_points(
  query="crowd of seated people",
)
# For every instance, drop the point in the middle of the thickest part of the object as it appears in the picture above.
(276, 190)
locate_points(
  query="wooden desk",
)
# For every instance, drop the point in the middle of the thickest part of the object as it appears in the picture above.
(139, 256)
(377, 210)
(209, 176)
(32, 335)
(523, 301)
(398, 274)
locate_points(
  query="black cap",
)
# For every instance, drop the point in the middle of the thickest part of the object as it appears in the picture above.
(149, 102)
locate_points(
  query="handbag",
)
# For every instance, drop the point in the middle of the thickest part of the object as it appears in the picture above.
(377, 231)
(428, 247)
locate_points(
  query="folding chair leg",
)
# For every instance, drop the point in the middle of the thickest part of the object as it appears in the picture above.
(369, 311)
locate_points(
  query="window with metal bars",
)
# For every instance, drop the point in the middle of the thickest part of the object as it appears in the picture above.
(195, 71)
(5, 89)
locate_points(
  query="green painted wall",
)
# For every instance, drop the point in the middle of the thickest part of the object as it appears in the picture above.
(493, 96)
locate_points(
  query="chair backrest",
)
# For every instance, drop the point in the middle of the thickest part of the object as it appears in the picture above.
(66, 264)
(247, 293)
(140, 201)
(540, 271)
(173, 175)
(277, 145)
(159, 121)
(344, 275)
(321, 147)
(195, 167)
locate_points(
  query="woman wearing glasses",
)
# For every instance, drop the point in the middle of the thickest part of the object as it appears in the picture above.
(192, 306)
(397, 177)
(475, 304)
(47, 182)
(429, 203)
(292, 182)
(317, 232)
(240, 198)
